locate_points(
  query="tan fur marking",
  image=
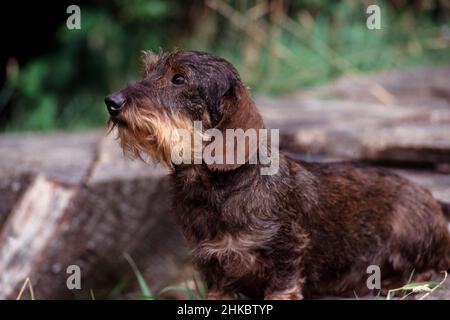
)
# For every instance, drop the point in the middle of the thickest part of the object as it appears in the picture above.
(150, 132)
(289, 294)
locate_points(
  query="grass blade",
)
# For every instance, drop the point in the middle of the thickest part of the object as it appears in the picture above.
(200, 291)
(118, 288)
(146, 292)
(92, 294)
(191, 294)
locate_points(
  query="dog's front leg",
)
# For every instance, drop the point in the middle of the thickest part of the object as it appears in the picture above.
(218, 291)
(218, 287)
(219, 295)
(283, 287)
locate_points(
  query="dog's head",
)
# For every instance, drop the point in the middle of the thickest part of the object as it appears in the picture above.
(177, 89)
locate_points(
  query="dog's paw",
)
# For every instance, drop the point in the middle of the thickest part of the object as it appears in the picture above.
(284, 295)
(219, 295)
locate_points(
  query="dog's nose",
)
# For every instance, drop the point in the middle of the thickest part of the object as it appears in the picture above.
(115, 102)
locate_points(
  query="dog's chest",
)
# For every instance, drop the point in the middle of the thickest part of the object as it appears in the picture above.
(235, 256)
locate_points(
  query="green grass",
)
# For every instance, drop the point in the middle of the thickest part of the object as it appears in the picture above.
(145, 290)
(426, 287)
(318, 54)
(312, 44)
(197, 293)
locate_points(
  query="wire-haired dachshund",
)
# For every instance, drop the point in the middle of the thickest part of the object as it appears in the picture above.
(308, 230)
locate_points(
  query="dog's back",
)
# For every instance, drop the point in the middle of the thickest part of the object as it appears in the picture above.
(371, 216)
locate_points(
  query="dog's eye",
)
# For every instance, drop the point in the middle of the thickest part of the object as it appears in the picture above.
(178, 79)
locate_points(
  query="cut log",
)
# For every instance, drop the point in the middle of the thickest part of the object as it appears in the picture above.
(419, 87)
(393, 117)
(65, 158)
(29, 230)
(116, 206)
(11, 190)
(123, 208)
(354, 131)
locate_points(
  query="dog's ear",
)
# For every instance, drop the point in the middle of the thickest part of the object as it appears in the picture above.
(239, 112)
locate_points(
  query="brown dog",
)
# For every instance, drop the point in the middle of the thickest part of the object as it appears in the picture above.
(308, 230)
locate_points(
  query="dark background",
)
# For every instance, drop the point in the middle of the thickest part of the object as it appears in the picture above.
(55, 78)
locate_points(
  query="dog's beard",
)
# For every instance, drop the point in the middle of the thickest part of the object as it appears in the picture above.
(149, 132)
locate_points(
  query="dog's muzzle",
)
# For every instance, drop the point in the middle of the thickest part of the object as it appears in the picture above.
(114, 103)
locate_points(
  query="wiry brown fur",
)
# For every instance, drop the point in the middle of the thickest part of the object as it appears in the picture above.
(149, 132)
(308, 230)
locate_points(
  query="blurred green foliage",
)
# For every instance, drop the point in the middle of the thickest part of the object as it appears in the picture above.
(279, 46)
